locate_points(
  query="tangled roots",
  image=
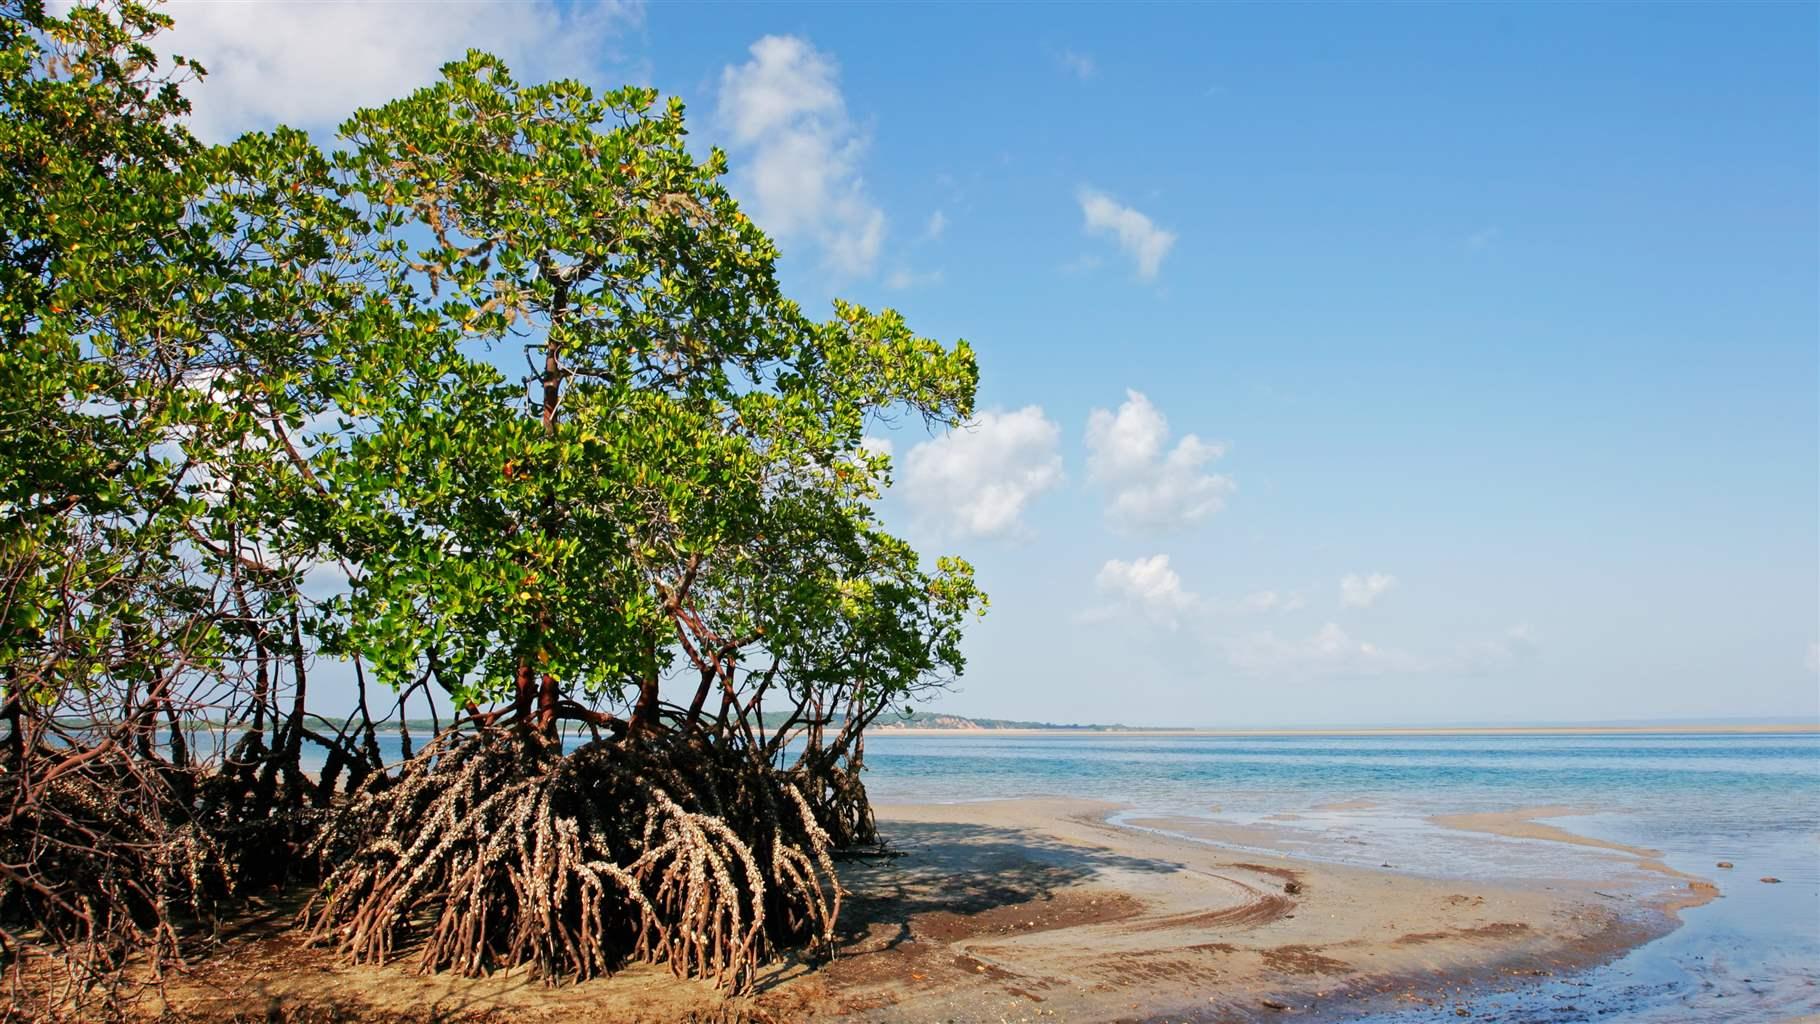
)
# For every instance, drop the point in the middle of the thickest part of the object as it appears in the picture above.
(498, 850)
(98, 861)
(837, 796)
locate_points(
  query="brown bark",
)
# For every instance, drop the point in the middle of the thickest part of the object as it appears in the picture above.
(644, 711)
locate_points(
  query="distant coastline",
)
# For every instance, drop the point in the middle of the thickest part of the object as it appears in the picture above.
(1717, 729)
(929, 724)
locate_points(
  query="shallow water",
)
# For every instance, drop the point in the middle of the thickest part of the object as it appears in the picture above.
(1752, 955)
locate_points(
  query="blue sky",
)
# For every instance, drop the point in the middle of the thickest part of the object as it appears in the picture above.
(1340, 364)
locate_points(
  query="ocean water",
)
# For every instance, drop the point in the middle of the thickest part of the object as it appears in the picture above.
(1753, 800)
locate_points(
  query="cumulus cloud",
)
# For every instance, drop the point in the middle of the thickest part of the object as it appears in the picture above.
(1146, 584)
(310, 65)
(938, 223)
(1135, 233)
(1149, 484)
(978, 479)
(797, 153)
(1358, 591)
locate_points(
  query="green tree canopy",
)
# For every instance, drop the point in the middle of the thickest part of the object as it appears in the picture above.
(679, 476)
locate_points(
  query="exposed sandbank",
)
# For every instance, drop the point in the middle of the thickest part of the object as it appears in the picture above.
(1036, 909)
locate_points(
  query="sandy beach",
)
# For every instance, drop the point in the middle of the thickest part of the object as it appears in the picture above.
(1031, 910)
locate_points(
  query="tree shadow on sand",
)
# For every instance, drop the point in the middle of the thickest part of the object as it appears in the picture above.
(965, 870)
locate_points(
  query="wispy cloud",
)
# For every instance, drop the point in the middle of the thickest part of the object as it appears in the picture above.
(904, 278)
(1515, 645)
(1362, 591)
(1329, 650)
(1270, 601)
(938, 223)
(1136, 234)
(1333, 651)
(797, 152)
(1080, 65)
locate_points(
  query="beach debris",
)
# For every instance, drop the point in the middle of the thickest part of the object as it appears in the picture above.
(1724, 864)
(1274, 1005)
(1770, 880)
(1292, 888)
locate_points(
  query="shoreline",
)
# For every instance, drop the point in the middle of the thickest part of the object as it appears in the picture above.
(1232, 932)
(1040, 909)
(1770, 729)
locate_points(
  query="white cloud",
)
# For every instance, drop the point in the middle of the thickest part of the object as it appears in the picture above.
(1330, 650)
(798, 152)
(1516, 644)
(1362, 591)
(1270, 601)
(978, 479)
(310, 65)
(1147, 585)
(903, 278)
(1150, 485)
(872, 448)
(938, 223)
(1080, 65)
(1141, 239)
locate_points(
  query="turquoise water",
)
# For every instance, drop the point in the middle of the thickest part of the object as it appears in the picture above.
(1752, 955)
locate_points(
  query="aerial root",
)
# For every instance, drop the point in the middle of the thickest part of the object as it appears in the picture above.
(572, 865)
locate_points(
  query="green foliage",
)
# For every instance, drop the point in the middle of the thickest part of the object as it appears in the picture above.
(678, 480)
(223, 367)
(93, 171)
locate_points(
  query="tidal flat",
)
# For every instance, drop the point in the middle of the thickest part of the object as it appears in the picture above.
(1538, 878)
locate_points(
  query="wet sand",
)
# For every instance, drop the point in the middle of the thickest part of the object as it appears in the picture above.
(1038, 910)
(1522, 823)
